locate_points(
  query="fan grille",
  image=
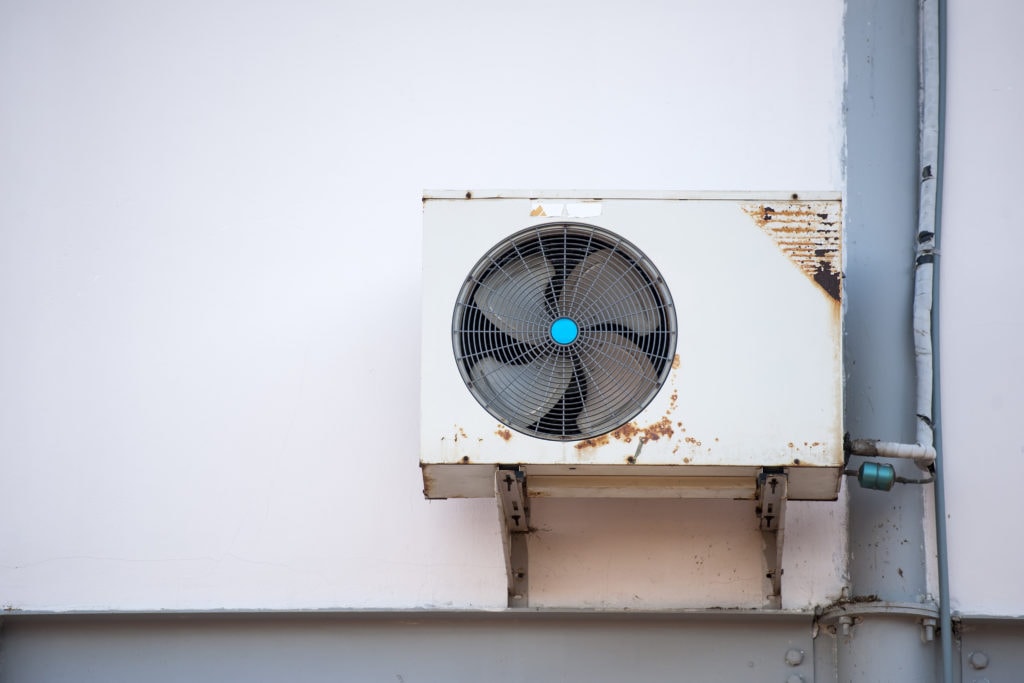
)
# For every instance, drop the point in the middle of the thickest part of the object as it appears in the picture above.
(564, 331)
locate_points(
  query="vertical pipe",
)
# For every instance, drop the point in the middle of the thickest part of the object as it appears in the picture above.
(887, 559)
(945, 616)
(886, 530)
(933, 91)
(924, 264)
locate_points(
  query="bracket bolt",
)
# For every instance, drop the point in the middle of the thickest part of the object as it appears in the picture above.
(795, 678)
(977, 660)
(794, 657)
(844, 624)
(928, 624)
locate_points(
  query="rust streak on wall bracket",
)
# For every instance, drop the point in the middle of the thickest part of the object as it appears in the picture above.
(808, 233)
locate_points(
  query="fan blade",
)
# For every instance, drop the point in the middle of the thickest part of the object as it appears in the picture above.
(525, 391)
(619, 376)
(605, 288)
(512, 298)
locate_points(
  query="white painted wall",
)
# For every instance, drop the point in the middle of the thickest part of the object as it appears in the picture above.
(982, 315)
(209, 285)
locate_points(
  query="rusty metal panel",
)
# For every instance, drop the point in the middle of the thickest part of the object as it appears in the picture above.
(756, 380)
(808, 233)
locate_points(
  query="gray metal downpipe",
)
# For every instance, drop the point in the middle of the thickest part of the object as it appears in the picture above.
(889, 609)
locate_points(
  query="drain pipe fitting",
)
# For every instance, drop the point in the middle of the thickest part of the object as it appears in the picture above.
(923, 455)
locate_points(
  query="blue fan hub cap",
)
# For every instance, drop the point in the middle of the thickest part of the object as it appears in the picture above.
(564, 331)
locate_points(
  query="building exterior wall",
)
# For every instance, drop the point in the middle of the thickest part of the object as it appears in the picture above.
(982, 320)
(212, 255)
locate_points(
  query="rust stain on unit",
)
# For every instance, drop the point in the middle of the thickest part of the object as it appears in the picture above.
(662, 427)
(652, 432)
(602, 440)
(675, 362)
(505, 434)
(673, 401)
(809, 234)
(428, 482)
(629, 431)
(626, 432)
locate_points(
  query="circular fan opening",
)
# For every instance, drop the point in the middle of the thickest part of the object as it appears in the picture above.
(564, 331)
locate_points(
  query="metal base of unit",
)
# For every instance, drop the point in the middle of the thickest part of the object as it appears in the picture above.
(476, 480)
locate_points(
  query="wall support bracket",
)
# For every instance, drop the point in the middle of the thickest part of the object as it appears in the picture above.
(772, 489)
(514, 517)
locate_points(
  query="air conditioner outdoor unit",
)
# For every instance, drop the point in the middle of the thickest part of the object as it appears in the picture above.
(632, 344)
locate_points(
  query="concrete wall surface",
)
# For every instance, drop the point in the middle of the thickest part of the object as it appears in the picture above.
(982, 319)
(211, 244)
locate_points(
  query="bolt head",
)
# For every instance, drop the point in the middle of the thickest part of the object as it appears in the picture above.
(978, 660)
(795, 678)
(794, 657)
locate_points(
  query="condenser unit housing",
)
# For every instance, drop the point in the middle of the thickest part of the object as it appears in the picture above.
(632, 344)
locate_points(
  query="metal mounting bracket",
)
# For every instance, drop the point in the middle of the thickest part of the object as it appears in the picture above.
(514, 516)
(772, 488)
